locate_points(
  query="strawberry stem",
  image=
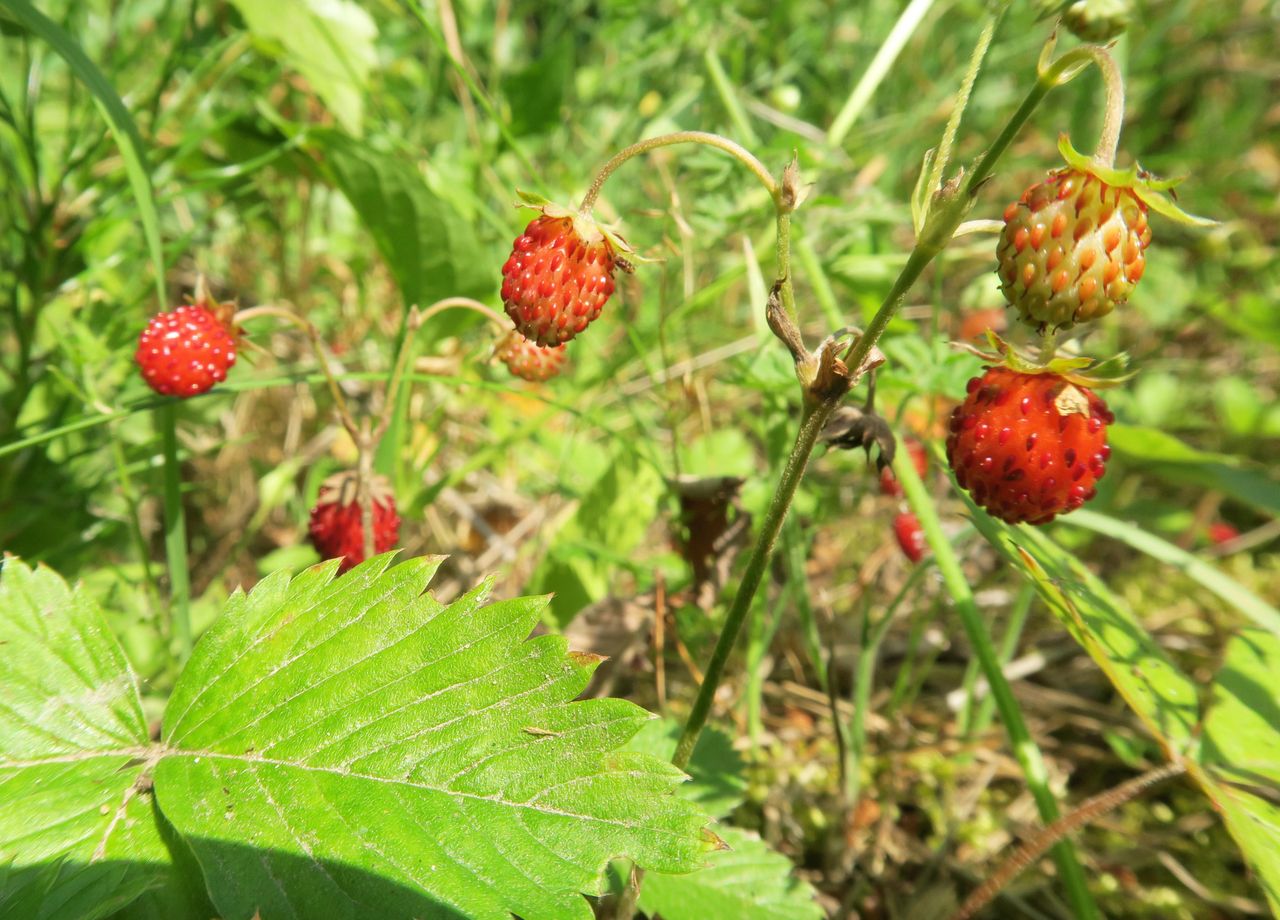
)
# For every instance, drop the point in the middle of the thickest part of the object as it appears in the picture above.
(705, 138)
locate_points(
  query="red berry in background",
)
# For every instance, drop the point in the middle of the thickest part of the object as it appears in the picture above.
(1028, 446)
(889, 484)
(336, 520)
(1072, 249)
(1221, 532)
(528, 360)
(558, 278)
(906, 527)
(186, 351)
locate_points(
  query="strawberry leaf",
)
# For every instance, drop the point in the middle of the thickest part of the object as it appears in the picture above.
(354, 747)
(77, 834)
(747, 881)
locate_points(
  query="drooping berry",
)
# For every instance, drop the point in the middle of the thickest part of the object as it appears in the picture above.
(889, 484)
(185, 351)
(527, 360)
(1028, 446)
(336, 524)
(1072, 249)
(906, 527)
(558, 278)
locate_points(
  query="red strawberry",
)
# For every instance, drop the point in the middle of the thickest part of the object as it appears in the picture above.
(528, 360)
(889, 483)
(336, 521)
(558, 278)
(906, 527)
(186, 351)
(1072, 249)
(1221, 532)
(1028, 446)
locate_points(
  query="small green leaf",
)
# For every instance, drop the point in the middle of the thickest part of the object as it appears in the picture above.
(77, 836)
(748, 881)
(429, 247)
(330, 42)
(1163, 697)
(354, 748)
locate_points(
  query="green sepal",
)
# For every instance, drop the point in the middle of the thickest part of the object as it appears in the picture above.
(1080, 370)
(1149, 189)
(531, 200)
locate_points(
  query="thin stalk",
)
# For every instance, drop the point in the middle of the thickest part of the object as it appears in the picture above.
(175, 534)
(812, 420)
(1113, 113)
(1024, 747)
(975, 719)
(1033, 849)
(735, 150)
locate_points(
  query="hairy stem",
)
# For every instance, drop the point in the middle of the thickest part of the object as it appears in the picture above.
(1033, 849)
(735, 150)
(812, 420)
(175, 534)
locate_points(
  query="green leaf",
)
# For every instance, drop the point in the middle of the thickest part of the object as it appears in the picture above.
(1164, 455)
(1242, 748)
(430, 248)
(716, 780)
(77, 837)
(748, 881)
(353, 748)
(330, 42)
(1163, 697)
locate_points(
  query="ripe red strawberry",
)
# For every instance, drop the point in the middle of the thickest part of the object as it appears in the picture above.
(558, 278)
(1028, 446)
(528, 360)
(889, 484)
(336, 522)
(1221, 532)
(1072, 249)
(186, 351)
(906, 527)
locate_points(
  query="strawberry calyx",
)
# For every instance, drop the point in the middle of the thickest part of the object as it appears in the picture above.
(588, 229)
(223, 312)
(1154, 193)
(1079, 370)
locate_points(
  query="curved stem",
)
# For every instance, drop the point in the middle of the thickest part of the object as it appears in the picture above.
(1033, 849)
(813, 419)
(464, 303)
(705, 138)
(317, 345)
(1113, 114)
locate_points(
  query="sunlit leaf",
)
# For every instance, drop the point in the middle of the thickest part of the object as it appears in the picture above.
(748, 881)
(77, 837)
(355, 748)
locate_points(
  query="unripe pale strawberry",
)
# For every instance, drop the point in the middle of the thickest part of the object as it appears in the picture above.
(1072, 249)
(1028, 446)
(528, 360)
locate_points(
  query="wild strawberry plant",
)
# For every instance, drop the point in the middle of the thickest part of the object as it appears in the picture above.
(338, 742)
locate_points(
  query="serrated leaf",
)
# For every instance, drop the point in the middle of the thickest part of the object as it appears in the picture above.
(748, 881)
(329, 42)
(353, 748)
(77, 838)
(430, 248)
(716, 780)
(1242, 749)
(1162, 696)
